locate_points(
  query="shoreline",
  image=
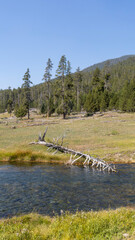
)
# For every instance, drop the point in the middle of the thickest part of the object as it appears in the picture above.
(22, 156)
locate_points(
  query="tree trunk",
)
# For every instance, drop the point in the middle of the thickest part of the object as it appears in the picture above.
(88, 160)
(64, 115)
(28, 113)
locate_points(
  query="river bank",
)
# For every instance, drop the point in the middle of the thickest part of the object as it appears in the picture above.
(40, 157)
(112, 224)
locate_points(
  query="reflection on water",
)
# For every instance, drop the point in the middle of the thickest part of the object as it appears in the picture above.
(47, 189)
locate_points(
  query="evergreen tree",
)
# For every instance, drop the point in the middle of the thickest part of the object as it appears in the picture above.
(20, 111)
(78, 82)
(124, 96)
(112, 87)
(43, 108)
(103, 103)
(47, 79)
(97, 88)
(107, 77)
(9, 106)
(96, 77)
(64, 89)
(26, 90)
(61, 74)
(89, 104)
(130, 105)
(113, 101)
(9, 101)
(68, 88)
(95, 101)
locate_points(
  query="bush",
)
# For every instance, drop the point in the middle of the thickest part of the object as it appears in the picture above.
(20, 111)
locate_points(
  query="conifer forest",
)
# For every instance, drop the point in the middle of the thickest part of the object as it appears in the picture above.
(106, 86)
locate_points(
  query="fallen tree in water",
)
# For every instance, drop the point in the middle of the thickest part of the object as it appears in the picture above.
(75, 155)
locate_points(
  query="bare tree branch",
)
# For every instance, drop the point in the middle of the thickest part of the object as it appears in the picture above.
(88, 159)
(43, 137)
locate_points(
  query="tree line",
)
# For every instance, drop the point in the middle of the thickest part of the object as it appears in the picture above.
(112, 87)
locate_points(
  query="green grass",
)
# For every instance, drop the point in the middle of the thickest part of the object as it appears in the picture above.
(111, 224)
(110, 136)
(29, 156)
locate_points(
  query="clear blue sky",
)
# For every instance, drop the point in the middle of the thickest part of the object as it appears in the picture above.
(86, 31)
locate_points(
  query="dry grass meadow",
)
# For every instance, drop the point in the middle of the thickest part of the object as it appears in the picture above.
(110, 136)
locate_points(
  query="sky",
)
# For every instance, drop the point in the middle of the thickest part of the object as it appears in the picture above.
(85, 31)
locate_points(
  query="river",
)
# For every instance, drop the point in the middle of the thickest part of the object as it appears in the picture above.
(48, 189)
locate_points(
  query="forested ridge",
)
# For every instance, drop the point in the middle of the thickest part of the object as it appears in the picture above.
(112, 86)
(108, 62)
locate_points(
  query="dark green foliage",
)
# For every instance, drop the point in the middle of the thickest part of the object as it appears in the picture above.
(96, 100)
(5, 96)
(111, 86)
(127, 97)
(47, 79)
(65, 86)
(26, 91)
(131, 99)
(20, 111)
(65, 103)
(51, 106)
(9, 106)
(114, 101)
(43, 108)
(68, 96)
(124, 95)
(78, 89)
(103, 102)
(89, 105)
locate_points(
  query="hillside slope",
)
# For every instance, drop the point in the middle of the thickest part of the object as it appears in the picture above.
(108, 62)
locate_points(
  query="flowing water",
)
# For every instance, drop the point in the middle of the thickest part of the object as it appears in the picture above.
(48, 189)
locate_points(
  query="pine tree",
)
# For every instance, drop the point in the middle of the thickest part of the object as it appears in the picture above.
(61, 74)
(47, 79)
(9, 106)
(96, 99)
(103, 104)
(124, 96)
(64, 88)
(68, 90)
(78, 82)
(89, 104)
(97, 88)
(20, 111)
(43, 108)
(10, 101)
(113, 100)
(130, 105)
(26, 89)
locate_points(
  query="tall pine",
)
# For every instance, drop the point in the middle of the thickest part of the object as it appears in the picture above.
(61, 74)
(78, 83)
(47, 79)
(26, 89)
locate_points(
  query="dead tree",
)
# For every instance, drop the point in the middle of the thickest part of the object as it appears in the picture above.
(75, 155)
